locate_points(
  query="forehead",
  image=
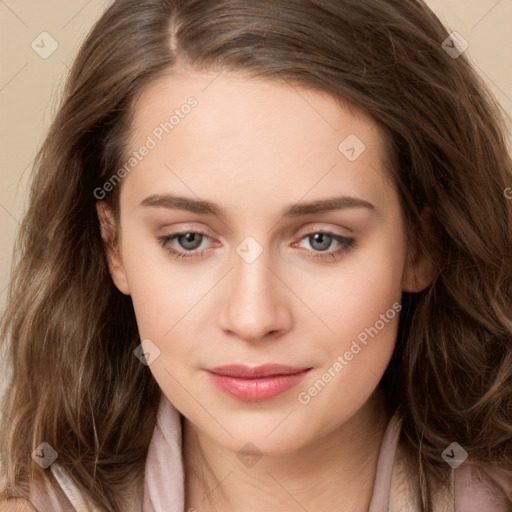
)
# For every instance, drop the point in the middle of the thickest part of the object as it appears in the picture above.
(247, 101)
(251, 135)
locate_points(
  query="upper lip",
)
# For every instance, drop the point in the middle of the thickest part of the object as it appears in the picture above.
(264, 370)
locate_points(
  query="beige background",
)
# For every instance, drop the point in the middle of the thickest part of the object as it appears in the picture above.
(29, 84)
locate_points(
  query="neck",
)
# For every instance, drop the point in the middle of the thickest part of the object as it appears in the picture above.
(334, 472)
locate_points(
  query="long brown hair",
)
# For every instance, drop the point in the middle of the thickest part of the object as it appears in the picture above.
(69, 335)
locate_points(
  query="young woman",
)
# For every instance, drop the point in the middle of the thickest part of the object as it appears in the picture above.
(266, 265)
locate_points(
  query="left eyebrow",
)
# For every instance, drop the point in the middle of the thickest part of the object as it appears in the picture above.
(327, 205)
(203, 206)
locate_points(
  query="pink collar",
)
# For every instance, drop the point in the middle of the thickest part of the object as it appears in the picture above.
(164, 482)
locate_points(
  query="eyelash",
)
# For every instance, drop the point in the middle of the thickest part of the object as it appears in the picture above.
(346, 245)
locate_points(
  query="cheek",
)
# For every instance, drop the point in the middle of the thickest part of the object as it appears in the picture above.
(161, 290)
(364, 286)
(168, 300)
(163, 303)
(360, 304)
(362, 308)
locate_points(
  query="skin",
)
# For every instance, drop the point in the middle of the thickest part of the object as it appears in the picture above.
(254, 147)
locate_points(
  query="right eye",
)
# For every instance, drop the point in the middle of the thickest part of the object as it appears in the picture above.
(188, 240)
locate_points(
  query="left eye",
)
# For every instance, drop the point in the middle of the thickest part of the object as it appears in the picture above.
(323, 240)
(190, 241)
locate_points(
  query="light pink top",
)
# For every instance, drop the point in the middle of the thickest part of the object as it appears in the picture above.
(164, 480)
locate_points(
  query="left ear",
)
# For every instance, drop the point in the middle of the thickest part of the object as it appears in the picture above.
(419, 267)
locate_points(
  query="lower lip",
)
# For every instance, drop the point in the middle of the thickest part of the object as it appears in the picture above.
(256, 390)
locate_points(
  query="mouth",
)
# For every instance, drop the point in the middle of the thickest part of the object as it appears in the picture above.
(255, 384)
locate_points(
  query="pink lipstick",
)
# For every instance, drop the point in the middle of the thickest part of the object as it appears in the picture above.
(254, 384)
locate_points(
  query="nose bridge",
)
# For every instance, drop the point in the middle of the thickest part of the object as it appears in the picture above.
(253, 305)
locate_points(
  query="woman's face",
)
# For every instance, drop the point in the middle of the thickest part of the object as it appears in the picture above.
(247, 168)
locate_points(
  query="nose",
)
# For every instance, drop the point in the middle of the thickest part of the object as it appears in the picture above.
(257, 302)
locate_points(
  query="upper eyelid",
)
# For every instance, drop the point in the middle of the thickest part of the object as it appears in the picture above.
(325, 231)
(317, 227)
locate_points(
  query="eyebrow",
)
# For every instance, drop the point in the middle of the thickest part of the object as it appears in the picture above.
(203, 206)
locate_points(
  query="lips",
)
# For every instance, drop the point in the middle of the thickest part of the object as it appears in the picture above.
(247, 372)
(256, 383)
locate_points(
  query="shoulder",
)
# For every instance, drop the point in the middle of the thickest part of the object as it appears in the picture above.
(487, 487)
(18, 505)
(468, 487)
(405, 495)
